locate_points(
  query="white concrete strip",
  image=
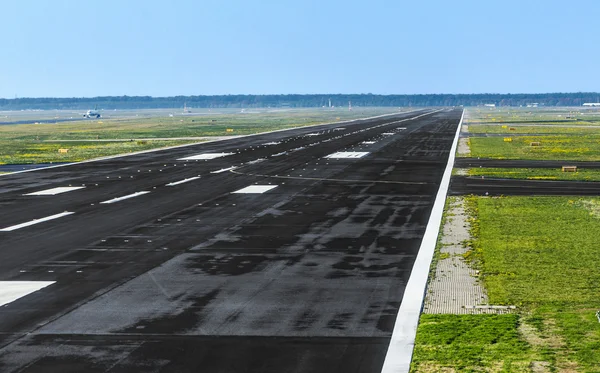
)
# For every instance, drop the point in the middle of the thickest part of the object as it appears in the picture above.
(223, 170)
(183, 181)
(339, 155)
(53, 191)
(255, 189)
(10, 291)
(220, 139)
(402, 343)
(204, 156)
(125, 197)
(35, 221)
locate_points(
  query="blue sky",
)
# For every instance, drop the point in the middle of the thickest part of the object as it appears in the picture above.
(65, 48)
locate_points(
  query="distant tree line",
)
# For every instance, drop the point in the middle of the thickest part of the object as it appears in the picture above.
(297, 101)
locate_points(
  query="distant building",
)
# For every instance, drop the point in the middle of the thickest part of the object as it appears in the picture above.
(592, 104)
(533, 104)
(489, 105)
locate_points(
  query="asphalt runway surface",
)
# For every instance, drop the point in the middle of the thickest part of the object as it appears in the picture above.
(465, 162)
(262, 254)
(484, 186)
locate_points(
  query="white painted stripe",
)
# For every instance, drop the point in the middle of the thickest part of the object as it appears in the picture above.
(183, 181)
(223, 170)
(10, 291)
(53, 191)
(253, 189)
(369, 142)
(35, 221)
(347, 155)
(204, 156)
(125, 197)
(402, 343)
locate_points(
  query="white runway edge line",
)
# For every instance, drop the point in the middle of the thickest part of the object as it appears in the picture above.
(183, 181)
(10, 291)
(35, 221)
(255, 189)
(53, 191)
(125, 197)
(402, 343)
(211, 141)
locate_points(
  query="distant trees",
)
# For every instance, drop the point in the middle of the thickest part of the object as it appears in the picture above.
(292, 100)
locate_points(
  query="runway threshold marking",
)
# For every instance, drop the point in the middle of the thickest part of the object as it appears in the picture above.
(351, 155)
(35, 221)
(402, 342)
(255, 189)
(53, 191)
(204, 156)
(10, 291)
(125, 197)
(183, 181)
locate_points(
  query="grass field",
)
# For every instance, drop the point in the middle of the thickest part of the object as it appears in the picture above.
(540, 254)
(570, 129)
(536, 174)
(558, 147)
(39, 143)
(26, 152)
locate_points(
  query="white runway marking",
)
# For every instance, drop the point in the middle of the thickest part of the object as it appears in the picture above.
(53, 191)
(388, 133)
(204, 156)
(272, 143)
(183, 181)
(125, 197)
(347, 155)
(10, 291)
(35, 221)
(369, 142)
(255, 189)
(223, 170)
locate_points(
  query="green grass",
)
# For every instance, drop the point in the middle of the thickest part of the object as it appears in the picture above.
(540, 254)
(28, 152)
(39, 143)
(573, 129)
(537, 174)
(470, 343)
(559, 147)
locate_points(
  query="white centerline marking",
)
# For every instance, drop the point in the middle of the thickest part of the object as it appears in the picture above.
(125, 197)
(183, 181)
(10, 291)
(223, 170)
(35, 221)
(53, 191)
(347, 155)
(204, 156)
(255, 189)
(402, 342)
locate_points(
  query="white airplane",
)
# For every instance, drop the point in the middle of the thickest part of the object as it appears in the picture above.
(92, 113)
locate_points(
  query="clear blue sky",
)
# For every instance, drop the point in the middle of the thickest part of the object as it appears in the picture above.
(65, 48)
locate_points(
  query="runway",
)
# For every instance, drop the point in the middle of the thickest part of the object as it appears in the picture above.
(281, 252)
